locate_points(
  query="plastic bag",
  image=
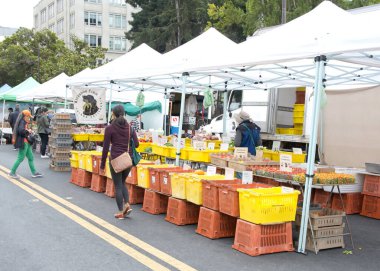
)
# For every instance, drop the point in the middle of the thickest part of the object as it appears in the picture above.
(208, 99)
(140, 99)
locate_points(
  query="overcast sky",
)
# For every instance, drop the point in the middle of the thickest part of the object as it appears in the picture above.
(17, 13)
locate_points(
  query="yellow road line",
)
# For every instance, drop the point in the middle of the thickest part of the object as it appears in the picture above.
(123, 234)
(95, 230)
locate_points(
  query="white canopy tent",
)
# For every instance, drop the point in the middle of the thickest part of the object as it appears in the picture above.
(326, 47)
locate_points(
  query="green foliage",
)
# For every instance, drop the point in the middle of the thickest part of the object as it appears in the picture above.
(163, 26)
(43, 56)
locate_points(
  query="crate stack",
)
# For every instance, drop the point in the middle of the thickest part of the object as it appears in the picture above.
(60, 142)
(326, 230)
(371, 200)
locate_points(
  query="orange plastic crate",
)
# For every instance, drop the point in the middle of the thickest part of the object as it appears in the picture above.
(214, 224)
(132, 177)
(165, 179)
(136, 194)
(352, 203)
(210, 198)
(181, 212)
(371, 186)
(371, 207)
(321, 197)
(229, 197)
(110, 188)
(98, 183)
(74, 175)
(84, 178)
(96, 160)
(154, 179)
(155, 203)
(254, 239)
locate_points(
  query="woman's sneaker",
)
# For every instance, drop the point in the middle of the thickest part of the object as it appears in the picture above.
(14, 176)
(37, 175)
(45, 156)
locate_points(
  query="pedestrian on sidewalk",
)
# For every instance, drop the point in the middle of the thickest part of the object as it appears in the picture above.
(12, 119)
(119, 134)
(43, 130)
(23, 139)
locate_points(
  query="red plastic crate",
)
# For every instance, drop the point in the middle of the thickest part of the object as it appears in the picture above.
(132, 177)
(155, 203)
(371, 207)
(181, 212)
(210, 196)
(98, 183)
(371, 186)
(96, 160)
(84, 178)
(74, 175)
(254, 239)
(154, 179)
(321, 197)
(136, 194)
(110, 188)
(214, 224)
(229, 197)
(165, 179)
(352, 203)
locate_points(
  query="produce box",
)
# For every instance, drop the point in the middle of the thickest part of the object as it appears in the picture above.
(325, 217)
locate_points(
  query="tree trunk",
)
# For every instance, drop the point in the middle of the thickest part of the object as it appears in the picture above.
(177, 4)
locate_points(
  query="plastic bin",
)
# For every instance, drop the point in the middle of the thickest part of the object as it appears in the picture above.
(297, 120)
(214, 225)
(210, 196)
(80, 137)
(268, 205)
(181, 212)
(155, 203)
(143, 176)
(74, 155)
(74, 163)
(96, 137)
(178, 185)
(299, 107)
(194, 187)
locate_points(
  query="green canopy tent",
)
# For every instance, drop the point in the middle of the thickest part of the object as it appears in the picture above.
(133, 110)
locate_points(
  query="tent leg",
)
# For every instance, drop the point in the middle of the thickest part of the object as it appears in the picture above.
(225, 104)
(183, 96)
(66, 97)
(109, 104)
(165, 112)
(2, 124)
(318, 85)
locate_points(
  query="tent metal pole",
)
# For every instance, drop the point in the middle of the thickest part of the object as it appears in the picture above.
(183, 96)
(225, 104)
(318, 85)
(2, 124)
(165, 112)
(66, 97)
(110, 102)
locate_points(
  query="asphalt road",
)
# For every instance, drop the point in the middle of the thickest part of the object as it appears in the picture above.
(39, 232)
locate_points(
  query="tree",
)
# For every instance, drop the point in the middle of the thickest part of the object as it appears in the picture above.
(43, 56)
(166, 24)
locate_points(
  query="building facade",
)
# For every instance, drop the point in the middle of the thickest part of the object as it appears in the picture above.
(97, 22)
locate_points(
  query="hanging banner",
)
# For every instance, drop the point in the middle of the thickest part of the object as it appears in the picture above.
(90, 105)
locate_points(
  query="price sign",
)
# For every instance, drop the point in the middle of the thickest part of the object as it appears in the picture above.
(211, 146)
(285, 162)
(247, 177)
(186, 167)
(297, 150)
(211, 170)
(174, 121)
(153, 179)
(164, 140)
(276, 145)
(285, 189)
(155, 138)
(182, 143)
(199, 145)
(192, 120)
(224, 147)
(226, 139)
(229, 173)
(241, 152)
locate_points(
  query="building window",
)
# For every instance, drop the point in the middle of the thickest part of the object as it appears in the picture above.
(93, 40)
(93, 1)
(72, 3)
(117, 2)
(35, 20)
(72, 20)
(52, 27)
(59, 6)
(43, 16)
(60, 26)
(51, 10)
(92, 18)
(118, 21)
(117, 44)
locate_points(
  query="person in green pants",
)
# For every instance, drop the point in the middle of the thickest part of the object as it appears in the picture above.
(23, 141)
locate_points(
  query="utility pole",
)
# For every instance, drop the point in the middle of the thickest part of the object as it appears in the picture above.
(283, 16)
(39, 76)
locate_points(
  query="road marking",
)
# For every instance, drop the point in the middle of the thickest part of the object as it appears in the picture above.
(97, 231)
(123, 234)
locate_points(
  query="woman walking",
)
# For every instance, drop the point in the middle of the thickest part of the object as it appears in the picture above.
(43, 130)
(23, 140)
(119, 134)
